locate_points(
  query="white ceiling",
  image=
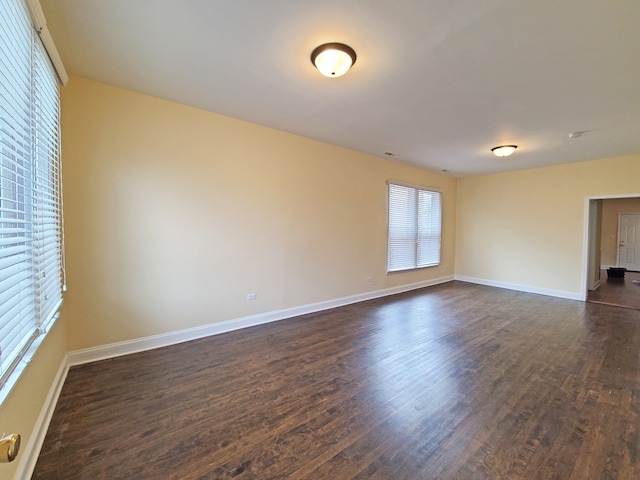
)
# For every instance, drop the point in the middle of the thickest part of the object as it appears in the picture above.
(436, 82)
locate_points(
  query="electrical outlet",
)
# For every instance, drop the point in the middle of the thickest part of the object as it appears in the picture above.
(251, 296)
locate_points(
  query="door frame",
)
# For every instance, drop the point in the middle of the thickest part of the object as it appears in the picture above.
(595, 231)
(586, 239)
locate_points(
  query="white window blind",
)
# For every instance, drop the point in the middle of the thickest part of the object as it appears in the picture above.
(30, 195)
(415, 225)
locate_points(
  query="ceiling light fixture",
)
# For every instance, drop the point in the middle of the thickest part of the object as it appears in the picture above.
(504, 150)
(333, 59)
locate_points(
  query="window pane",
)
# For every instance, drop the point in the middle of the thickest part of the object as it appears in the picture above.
(403, 210)
(429, 227)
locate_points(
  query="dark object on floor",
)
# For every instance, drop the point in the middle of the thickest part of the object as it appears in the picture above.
(615, 272)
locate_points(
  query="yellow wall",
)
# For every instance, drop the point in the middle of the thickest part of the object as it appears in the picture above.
(20, 410)
(527, 227)
(610, 210)
(174, 215)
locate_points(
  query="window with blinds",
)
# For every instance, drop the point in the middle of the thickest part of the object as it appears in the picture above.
(415, 227)
(30, 188)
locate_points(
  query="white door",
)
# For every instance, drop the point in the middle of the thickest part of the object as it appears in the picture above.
(629, 241)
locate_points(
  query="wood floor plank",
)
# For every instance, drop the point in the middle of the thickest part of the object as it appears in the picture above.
(457, 381)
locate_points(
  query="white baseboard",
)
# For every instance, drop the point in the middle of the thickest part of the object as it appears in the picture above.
(29, 456)
(112, 350)
(521, 288)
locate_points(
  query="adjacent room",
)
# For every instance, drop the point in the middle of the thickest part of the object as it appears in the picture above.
(616, 264)
(219, 259)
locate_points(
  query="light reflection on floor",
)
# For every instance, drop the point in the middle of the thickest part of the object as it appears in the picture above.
(426, 381)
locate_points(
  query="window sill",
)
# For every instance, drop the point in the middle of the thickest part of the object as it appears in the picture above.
(14, 378)
(411, 269)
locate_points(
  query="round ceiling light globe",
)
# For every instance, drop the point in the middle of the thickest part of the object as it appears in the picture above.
(333, 59)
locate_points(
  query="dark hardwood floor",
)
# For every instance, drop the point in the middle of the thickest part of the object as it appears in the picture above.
(457, 381)
(621, 292)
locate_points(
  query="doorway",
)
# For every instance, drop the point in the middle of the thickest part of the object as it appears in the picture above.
(612, 224)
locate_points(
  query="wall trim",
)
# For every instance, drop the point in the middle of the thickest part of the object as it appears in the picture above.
(521, 288)
(112, 350)
(29, 456)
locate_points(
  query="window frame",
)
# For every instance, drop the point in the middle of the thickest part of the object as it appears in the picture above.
(30, 149)
(399, 263)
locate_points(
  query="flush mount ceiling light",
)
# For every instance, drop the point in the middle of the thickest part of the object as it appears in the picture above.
(504, 150)
(333, 59)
